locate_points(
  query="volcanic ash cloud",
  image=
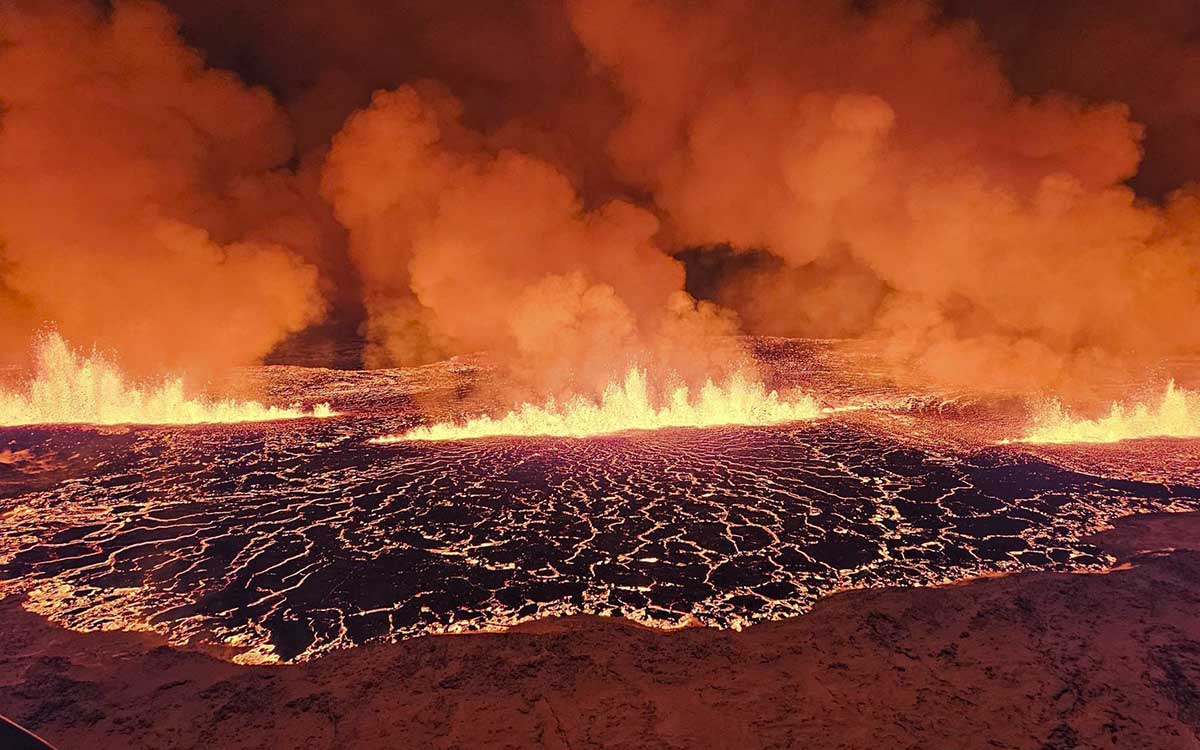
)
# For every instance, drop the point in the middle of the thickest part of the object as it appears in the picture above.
(139, 194)
(867, 169)
(463, 246)
(986, 238)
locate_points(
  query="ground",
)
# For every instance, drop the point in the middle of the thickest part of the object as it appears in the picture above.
(1031, 660)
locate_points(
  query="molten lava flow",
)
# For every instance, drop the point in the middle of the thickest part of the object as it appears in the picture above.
(1177, 414)
(628, 406)
(69, 388)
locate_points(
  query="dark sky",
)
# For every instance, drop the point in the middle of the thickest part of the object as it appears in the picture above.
(509, 59)
(1146, 54)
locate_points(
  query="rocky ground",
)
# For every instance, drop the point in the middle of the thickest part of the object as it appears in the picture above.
(1037, 660)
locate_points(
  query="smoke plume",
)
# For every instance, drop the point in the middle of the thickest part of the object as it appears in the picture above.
(141, 205)
(463, 246)
(989, 235)
(1145, 54)
(544, 180)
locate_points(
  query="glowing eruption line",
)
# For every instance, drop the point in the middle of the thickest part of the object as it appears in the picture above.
(68, 388)
(628, 406)
(1177, 414)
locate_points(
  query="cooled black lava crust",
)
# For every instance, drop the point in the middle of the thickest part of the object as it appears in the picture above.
(298, 537)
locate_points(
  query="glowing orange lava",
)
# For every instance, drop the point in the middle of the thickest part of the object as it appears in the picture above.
(1176, 414)
(630, 406)
(69, 388)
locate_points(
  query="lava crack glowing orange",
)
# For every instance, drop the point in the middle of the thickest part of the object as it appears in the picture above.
(1176, 414)
(630, 406)
(69, 388)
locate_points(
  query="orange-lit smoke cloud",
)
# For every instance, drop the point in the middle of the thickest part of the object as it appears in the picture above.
(463, 246)
(1145, 54)
(516, 66)
(986, 237)
(529, 175)
(142, 208)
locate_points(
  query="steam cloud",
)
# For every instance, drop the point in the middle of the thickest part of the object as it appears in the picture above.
(986, 237)
(462, 247)
(140, 206)
(529, 177)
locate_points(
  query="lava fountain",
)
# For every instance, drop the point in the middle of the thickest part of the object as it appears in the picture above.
(1175, 414)
(629, 405)
(70, 388)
